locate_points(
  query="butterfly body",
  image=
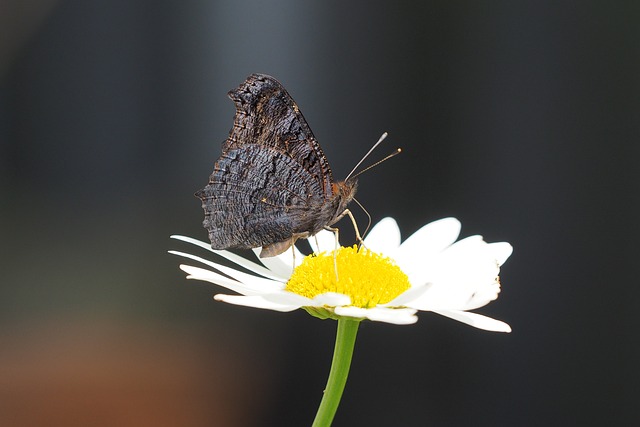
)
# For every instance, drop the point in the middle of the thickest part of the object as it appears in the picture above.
(272, 184)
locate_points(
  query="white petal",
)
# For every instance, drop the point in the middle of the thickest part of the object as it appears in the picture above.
(288, 298)
(331, 299)
(483, 296)
(501, 251)
(384, 237)
(235, 274)
(476, 320)
(258, 269)
(254, 301)
(199, 243)
(461, 276)
(454, 296)
(281, 265)
(258, 287)
(405, 298)
(401, 316)
(249, 265)
(241, 261)
(324, 241)
(426, 242)
(328, 299)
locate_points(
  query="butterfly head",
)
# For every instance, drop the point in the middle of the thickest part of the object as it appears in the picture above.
(343, 192)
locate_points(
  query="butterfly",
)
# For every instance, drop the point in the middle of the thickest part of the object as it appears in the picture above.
(272, 184)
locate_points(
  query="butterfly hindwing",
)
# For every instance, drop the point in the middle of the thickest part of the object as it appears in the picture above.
(257, 196)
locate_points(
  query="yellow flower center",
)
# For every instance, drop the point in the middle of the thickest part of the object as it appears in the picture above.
(366, 277)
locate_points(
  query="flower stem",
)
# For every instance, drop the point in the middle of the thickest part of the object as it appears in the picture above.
(342, 353)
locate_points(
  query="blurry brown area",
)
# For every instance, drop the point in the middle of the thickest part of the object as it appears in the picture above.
(108, 373)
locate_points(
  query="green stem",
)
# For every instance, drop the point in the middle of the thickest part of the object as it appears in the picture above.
(342, 353)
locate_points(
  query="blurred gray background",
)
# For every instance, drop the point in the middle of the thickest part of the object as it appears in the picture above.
(522, 119)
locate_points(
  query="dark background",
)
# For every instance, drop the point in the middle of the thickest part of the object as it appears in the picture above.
(519, 118)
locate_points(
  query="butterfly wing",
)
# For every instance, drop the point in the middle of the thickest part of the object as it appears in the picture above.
(258, 196)
(272, 183)
(266, 115)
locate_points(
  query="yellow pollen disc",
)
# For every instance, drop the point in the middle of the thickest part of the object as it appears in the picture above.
(365, 276)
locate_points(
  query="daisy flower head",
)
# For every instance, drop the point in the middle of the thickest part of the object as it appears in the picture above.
(387, 280)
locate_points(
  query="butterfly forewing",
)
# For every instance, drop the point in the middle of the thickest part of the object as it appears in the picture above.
(267, 115)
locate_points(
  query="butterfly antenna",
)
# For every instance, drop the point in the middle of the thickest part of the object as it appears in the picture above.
(395, 153)
(382, 138)
(366, 230)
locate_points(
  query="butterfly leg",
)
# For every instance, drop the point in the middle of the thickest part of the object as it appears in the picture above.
(336, 234)
(355, 227)
(293, 254)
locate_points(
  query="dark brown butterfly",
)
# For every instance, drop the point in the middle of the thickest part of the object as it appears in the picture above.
(273, 184)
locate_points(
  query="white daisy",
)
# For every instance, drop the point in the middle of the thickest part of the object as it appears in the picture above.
(389, 281)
